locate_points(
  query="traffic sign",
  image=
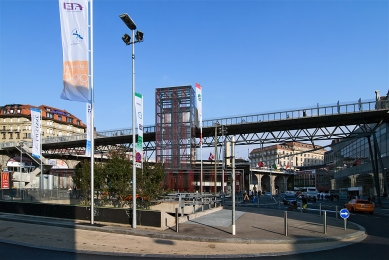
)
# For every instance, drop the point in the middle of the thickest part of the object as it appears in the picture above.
(344, 213)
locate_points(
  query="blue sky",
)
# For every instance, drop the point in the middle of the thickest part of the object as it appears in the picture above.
(249, 56)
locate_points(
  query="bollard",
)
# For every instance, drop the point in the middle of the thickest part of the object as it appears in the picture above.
(177, 220)
(320, 209)
(336, 211)
(325, 221)
(194, 206)
(286, 222)
(301, 206)
(345, 223)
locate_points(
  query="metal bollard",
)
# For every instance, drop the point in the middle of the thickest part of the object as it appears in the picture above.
(286, 223)
(177, 220)
(336, 211)
(325, 221)
(301, 206)
(194, 206)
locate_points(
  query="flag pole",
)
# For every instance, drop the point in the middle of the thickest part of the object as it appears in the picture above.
(40, 141)
(92, 120)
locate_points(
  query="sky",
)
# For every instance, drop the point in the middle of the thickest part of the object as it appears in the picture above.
(249, 56)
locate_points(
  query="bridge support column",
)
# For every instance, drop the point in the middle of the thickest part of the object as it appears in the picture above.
(272, 184)
(259, 177)
(285, 184)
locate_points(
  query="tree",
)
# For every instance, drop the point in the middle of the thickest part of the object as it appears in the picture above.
(150, 181)
(118, 170)
(81, 179)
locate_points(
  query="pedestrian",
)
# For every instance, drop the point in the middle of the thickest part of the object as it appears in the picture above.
(246, 197)
(305, 202)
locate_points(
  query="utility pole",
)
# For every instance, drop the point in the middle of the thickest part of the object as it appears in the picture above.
(223, 131)
(216, 126)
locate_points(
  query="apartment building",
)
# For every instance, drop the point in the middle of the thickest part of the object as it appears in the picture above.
(15, 122)
(288, 155)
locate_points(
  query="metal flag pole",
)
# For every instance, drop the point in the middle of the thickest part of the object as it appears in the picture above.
(92, 120)
(40, 141)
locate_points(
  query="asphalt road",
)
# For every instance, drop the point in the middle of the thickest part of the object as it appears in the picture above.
(375, 246)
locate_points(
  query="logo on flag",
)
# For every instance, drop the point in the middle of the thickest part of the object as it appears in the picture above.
(211, 157)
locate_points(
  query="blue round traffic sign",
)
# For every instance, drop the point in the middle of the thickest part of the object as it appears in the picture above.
(344, 213)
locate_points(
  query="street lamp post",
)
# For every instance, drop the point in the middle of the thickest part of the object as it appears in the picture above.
(127, 40)
(21, 164)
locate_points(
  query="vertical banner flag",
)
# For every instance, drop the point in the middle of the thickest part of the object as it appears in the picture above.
(139, 120)
(5, 180)
(75, 45)
(199, 105)
(88, 129)
(36, 132)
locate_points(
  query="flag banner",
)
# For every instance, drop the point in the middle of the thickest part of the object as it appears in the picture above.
(5, 180)
(199, 99)
(211, 157)
(139, 121)
(75, 46)
(275, 166)
(36, 132)
(88, 129)
(261, 164)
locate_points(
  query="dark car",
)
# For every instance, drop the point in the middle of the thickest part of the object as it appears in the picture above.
(289, 199)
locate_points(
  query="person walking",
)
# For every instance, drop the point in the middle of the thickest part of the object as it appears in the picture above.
(305, 202)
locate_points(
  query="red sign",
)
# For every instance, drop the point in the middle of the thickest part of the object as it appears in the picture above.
(5, 180)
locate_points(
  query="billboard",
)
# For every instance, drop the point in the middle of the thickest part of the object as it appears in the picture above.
(5, 180)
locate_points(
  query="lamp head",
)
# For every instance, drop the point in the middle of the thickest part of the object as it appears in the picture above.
(128, 21)
(139, 36)
(127, 39)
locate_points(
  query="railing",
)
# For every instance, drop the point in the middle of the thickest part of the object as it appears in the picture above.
(316, 111)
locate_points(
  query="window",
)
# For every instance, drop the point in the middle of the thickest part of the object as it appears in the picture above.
(69, 120)
(3, 135)
(60, 118)
(78, 122)
(49, 115)
(10, 136)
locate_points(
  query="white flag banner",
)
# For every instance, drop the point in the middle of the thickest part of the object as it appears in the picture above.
(75, 45)
(139, 120)
(36, 132)
(88, 129)
(199, 99)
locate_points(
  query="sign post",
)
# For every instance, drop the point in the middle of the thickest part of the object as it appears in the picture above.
(344, 214)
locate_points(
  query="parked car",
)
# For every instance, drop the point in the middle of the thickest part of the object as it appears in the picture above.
(138, 198)
(288, 199)
(359, 205)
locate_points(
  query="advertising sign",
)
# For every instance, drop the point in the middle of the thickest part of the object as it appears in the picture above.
(5, 180)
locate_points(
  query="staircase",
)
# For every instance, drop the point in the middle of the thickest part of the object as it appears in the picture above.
(32, 180)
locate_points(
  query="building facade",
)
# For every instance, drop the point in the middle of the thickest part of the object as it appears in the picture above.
(24, 170)
(15, 122)
(288, 155)
(352, 164)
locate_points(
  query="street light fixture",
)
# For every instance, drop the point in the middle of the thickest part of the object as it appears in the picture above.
(127, 40)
